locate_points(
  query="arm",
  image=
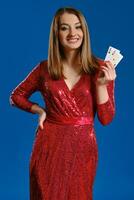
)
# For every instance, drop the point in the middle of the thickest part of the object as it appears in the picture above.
(20, 95)
(104, 92)
(105, 103)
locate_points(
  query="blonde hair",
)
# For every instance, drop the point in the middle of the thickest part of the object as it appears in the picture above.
(88, 60)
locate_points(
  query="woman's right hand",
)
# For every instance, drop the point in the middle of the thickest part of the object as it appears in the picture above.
(42, 117)
(41, 112)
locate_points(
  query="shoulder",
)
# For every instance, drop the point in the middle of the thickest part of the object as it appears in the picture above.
(44, 63)
(100, 61)
(44, 66)
(39, 69)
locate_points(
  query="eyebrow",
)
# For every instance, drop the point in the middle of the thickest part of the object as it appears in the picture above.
(68, 24)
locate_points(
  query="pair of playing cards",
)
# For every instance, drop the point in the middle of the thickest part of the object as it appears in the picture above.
(114, 56)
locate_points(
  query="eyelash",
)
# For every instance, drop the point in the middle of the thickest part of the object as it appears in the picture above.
(64, 28)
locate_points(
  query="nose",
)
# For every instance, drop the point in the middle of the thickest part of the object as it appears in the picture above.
(72, 31)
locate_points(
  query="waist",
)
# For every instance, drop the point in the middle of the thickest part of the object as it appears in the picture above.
(73, 121)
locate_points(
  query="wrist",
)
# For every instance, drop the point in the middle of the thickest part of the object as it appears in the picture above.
(41, 111)
(101, 86)
(37, 109)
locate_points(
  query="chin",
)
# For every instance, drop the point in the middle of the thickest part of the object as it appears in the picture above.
(72, 47)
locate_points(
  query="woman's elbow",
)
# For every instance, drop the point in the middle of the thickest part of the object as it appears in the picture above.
(13, 99)
(107, 118)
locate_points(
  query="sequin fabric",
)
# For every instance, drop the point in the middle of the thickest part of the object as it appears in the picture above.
(64, 155)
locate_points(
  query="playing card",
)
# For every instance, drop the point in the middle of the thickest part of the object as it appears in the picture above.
(111, 51)
(114, 56)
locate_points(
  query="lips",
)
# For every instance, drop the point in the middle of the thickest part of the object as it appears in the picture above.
(72, 39)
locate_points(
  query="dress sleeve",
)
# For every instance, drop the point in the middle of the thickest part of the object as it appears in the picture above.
(20, 95)
(105, 111)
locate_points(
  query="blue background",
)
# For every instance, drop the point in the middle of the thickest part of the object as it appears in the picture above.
(24, 34)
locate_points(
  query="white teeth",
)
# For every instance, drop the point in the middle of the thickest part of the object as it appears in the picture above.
(73, 40)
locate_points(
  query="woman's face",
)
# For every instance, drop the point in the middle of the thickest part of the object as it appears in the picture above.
(70, 31)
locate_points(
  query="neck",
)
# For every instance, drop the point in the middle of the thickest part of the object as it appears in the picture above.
(71, 57)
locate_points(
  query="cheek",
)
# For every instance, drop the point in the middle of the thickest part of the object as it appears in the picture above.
(61, 37)
(81, 34)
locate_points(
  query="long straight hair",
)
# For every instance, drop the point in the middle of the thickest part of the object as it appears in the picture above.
(55, 55)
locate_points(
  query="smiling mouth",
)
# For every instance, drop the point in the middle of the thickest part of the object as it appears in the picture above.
(73, 39)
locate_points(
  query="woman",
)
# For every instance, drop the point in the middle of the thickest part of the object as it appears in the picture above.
(75, 86)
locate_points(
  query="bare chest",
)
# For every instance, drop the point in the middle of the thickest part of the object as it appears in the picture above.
(71, 80)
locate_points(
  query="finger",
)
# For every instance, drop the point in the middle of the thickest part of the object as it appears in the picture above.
(114, 77)
(110, 70)
(41, 124)
(110, 75)
(109, 64)
(107, 72)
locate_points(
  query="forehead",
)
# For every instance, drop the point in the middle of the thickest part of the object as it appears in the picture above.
(69, 18)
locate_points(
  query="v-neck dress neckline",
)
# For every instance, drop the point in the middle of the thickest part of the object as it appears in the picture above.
(75, 85)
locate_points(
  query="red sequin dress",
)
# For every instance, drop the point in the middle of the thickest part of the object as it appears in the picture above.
(64, 156)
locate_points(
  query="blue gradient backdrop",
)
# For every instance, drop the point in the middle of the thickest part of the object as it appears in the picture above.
(24, 34)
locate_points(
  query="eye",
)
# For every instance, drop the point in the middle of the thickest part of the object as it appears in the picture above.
(63, 28)
(77, 27)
